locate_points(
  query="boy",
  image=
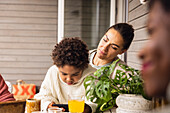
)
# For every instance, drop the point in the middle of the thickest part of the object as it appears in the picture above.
(67, 74)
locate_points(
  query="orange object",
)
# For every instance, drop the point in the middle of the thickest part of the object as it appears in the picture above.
(24, 91)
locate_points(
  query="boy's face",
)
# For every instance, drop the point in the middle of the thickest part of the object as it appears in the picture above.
(156, 54)
(69, 74)
(110, 45)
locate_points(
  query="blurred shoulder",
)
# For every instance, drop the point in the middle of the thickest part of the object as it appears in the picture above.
(53, 67)
(52, 71)
(89, 70)
(92, 51)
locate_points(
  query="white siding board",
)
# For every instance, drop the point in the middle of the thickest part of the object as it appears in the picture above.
(137, 46)
(136, 13)
(37, 65)
(20, 20)
(27, 33)
(35, 8)
(29, 2)
(134, 65)
(28, 14)
(134, 4)
(25, 58)
(26, 46)
(141, 34)
(139, 22)
(21, 52)
(27, 27)
(28, 39)
(133, 57)
(14, 76)
(9, 77)
(21, 72)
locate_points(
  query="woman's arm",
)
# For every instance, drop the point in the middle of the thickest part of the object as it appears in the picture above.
(5, 95)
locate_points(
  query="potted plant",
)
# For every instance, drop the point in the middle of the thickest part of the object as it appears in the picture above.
(103, 90)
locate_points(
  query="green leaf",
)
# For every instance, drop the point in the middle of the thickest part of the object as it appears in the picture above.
(112, 66)
(108, 105)
(89, 84)
(103, 90)
(102, 72)
(114, 91)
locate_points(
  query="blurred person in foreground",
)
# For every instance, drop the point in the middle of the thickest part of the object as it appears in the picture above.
(156, 54)
(67, 75)
(5, 95)
(115, 41)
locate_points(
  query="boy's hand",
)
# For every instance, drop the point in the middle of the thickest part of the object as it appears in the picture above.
(87, 109)
(51, 106)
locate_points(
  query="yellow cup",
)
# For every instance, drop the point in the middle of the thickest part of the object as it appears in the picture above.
(76, 103)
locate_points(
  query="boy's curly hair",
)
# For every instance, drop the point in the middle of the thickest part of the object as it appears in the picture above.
(72, 52)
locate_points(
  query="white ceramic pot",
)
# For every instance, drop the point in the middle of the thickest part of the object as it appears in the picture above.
(131, 103)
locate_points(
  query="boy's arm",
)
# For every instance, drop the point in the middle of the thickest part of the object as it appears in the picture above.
(45, 94)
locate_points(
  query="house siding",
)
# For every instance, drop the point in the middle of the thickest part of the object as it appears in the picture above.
(137, 17)
(27, 37)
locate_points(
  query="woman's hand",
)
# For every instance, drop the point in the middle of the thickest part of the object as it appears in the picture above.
(51, 106)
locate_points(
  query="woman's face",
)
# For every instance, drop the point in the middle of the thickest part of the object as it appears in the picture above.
(110, 45)
(156, 56)
(69, 74)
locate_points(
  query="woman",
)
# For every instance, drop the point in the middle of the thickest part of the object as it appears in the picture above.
(67, 74)
(116, 40)
(156, 56)
(5, 95)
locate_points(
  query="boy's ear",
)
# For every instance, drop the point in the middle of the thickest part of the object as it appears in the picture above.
(122, 51)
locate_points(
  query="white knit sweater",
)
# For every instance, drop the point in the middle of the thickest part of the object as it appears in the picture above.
(53, 89)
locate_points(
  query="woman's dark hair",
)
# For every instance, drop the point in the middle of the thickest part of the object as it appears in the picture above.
(72, 52)
(165, 4)
(126, 31)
